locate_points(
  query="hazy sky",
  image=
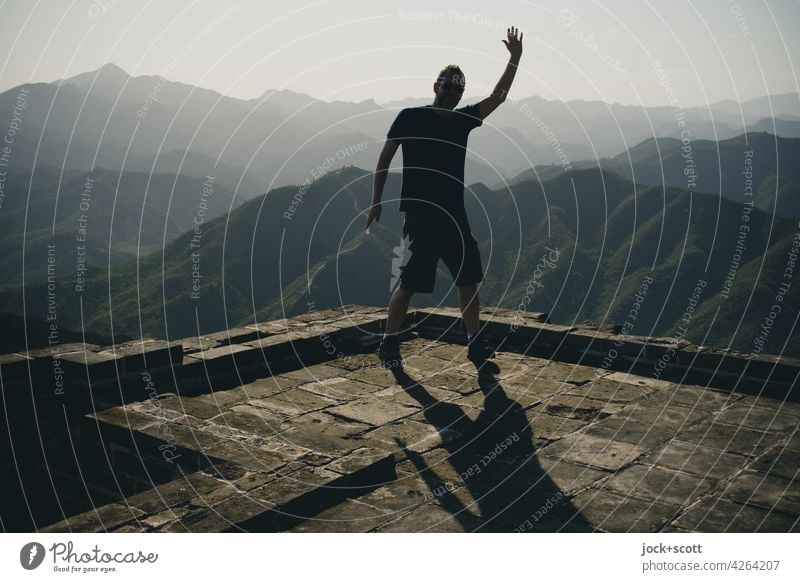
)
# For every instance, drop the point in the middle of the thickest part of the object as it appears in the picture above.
(384, 50)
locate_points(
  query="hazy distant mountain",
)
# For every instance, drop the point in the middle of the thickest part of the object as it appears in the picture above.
(776, 126)
(718, 168)
(282, 136)
(256, 264)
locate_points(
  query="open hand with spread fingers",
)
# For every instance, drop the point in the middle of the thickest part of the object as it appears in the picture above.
(514, 44)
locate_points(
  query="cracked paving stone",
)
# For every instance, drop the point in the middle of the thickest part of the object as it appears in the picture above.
(319, 442)
(375, 413)
(248, 421)
(571, 373)
(776, 404)
(416, 436)
(397, 497)
(765, 491)
(567, 477)
(631, 431)
(341, 389)
(733, 439)
(612, 512)
(579, 408)
(404, 396)
(758, 418)
(551, 427)
(432, 518)
(96, 520)
(697, 460)
(778, 461)
(324, 423)
(655, 412)
(348, 516)
(173, 493)
(376, 376)
(609, 391)
(314, 373)
(358, 460)
(161, 519)
(662, 485)
(535, 388)
(719, 516)
(594, 451)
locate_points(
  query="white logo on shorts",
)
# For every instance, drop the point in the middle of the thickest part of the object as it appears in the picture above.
(402, 254)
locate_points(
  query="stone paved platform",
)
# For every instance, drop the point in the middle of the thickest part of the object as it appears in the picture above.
(266, 428)
(346, 446)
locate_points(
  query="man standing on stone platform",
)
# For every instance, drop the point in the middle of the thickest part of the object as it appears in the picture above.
(434, 140)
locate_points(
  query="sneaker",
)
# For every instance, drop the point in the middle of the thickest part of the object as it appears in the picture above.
(389, 352)
(478, 352)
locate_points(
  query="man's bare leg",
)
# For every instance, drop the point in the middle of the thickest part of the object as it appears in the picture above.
(478, 351)
(398, 307)
(469, 302)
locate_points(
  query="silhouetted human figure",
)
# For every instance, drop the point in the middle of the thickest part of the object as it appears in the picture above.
(434, 140)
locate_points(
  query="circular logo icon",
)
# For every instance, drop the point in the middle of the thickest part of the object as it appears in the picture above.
(31, 555)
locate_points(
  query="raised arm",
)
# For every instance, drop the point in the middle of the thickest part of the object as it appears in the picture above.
(514, 46)
(378, 182)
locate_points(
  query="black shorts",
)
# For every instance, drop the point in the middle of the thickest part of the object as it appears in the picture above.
(430, 237)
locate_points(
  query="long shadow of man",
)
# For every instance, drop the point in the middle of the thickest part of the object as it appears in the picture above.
(495, 462)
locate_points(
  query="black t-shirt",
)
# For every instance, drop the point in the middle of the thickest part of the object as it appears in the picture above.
(434, 150)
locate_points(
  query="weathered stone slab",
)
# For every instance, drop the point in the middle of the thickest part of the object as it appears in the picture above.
(758, 418)
(375, 413)
(431, 518)
(766, 491)
(720, 516)
(400, 496)
(314, 373)
(733, 439)
(224, 359)
(340, 389)
(662, 485)
(593, 451)
(319, 442)
(542, 335)
(415, 436)
(359, 459)
(237, 335)
(100, 519)
(125, 417)
(102, 365)
(350, 516)
(247, 422)
(778, 461)
(249, 457)
(551, 427)
(697, 460)
(782, 405)
(202, 407)
(632, 431)
(610, 391)
(613, 512)
(326, 424)
(580, 408)
(535, 388)
(567, 477)
(197, 344)
(655, 411)
(401, 395)
(138, 356)
(268, 328)
(572, 373)
(173, 493)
